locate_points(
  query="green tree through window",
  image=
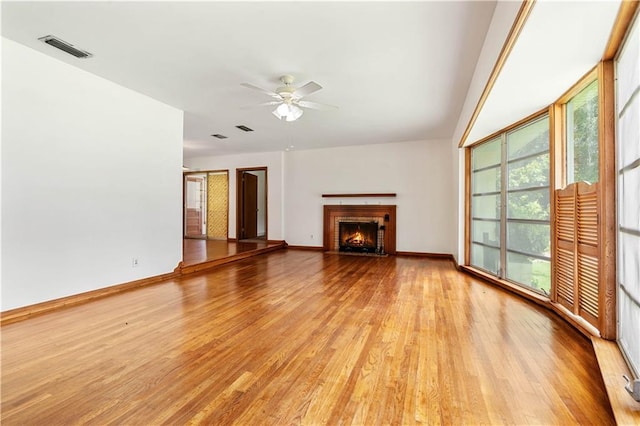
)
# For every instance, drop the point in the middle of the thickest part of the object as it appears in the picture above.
(582, 136)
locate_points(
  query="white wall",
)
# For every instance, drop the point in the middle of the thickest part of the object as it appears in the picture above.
(273, 162)
(91, 178)
(501, 23)
(503, 17)
(419, 172)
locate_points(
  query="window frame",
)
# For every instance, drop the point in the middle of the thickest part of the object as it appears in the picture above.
(560, 111)
(503, 220)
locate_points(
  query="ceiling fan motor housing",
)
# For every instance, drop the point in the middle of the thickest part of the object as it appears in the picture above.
(287, 90)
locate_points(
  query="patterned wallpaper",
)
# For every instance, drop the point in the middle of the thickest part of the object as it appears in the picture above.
(217, 205)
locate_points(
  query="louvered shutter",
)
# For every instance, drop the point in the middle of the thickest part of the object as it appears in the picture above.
(576, 257)
(588, 253)
(564, 258)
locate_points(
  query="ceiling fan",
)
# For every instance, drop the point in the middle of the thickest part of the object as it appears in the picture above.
(289, 99)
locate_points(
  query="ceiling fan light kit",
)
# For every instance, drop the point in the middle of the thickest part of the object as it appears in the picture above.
(288, 112)
(288, 98)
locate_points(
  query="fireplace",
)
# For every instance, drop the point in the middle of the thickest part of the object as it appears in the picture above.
(359, 237)
(384, 215)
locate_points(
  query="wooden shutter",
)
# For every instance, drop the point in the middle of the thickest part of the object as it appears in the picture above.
(577, 254)
(564, 256)
(588, 252)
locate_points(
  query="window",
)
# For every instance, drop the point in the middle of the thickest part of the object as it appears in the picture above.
(582, 135)
(485, 206)
(512, 170)
(628, 133)
(528, 206)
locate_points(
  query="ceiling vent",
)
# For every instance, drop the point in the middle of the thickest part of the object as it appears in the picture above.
(65, 47)
(219, 136)
(245, 128)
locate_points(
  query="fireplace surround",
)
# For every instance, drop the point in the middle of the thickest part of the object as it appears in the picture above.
(385, 215)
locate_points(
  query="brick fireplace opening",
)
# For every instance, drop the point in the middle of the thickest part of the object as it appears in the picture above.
(359, 237)
(362, 216)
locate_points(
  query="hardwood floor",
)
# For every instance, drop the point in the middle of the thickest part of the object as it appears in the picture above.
(303, 337)
(199, 251)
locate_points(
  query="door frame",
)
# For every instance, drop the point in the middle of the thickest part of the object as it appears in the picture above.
(203, 200)
(185, 175)
(239, 203)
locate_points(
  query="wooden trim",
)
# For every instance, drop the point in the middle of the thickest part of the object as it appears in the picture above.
(277, 242)
(558, 150)
(372, 195)
(205, 266)
(194, 172)
(612, 367)
(512, 37)
(555, 124)
(626, 13)
(437, 256)
(578, 87)
(455, 263)
(510, 127)
(24, 312)
(467, 206)
(607, 187)
(577, 322)
(331, 211)
(308, 248)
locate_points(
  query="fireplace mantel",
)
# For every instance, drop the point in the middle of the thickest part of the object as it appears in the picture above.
(373, 210)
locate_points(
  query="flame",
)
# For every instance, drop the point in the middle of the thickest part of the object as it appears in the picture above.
(357, 238)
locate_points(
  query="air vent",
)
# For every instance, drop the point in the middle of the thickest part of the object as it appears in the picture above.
(65, 47)
(245, 128)
(219, 136)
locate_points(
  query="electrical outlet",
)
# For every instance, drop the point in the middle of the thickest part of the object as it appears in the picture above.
(134, 262)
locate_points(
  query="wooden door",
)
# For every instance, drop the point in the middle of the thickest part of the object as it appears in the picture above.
(249, 205)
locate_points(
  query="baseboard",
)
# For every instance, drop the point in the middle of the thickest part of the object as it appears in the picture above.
(428, 255)
(282, 242)
(309, 248)
(18, 314)
(455, 263)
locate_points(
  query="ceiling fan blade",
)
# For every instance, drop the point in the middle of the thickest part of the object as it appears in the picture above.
(307, 89)
(260, 89)
(261, 105)
(316, 105)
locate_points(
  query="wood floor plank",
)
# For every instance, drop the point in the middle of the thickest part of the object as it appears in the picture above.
(302, 337)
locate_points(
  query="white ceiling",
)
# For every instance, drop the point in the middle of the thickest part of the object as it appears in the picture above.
(560, 42)
(398, 71)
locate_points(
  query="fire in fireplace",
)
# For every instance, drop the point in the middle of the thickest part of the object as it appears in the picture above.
(358, 236)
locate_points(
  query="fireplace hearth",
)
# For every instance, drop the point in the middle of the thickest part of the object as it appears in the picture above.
(359, 237)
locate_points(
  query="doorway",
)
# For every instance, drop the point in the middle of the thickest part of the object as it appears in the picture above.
(251, 218)
(195, 206)
(206, 205)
